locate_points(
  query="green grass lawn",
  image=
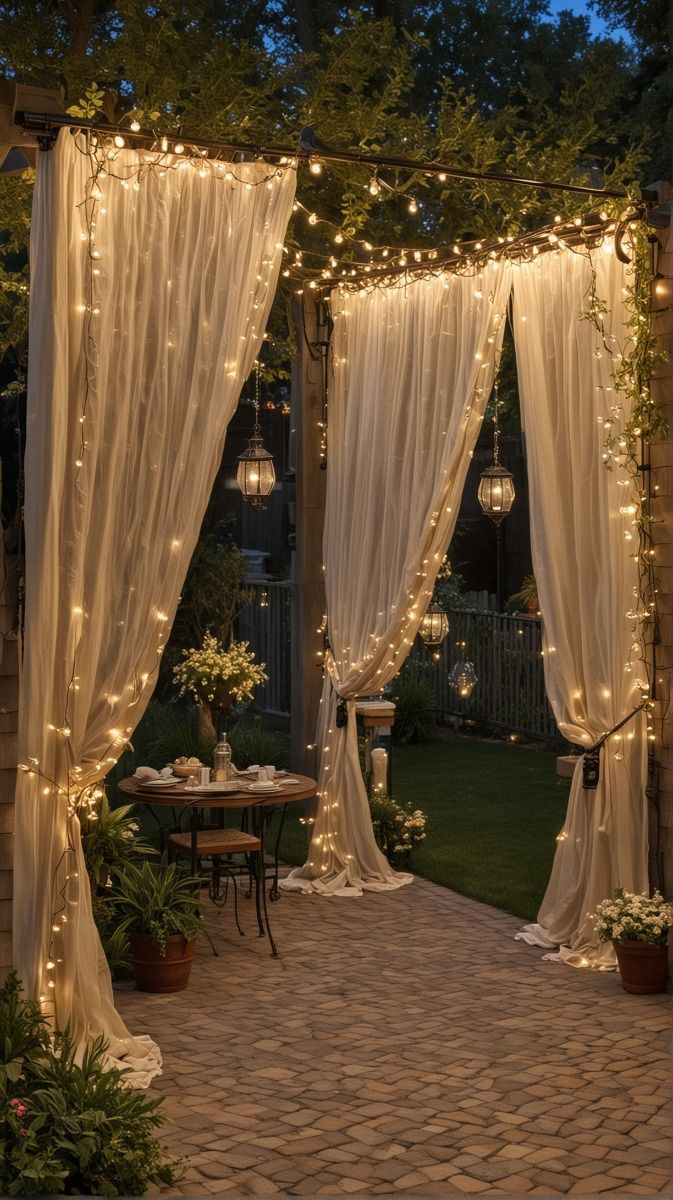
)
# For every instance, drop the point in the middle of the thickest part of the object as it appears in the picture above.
(493, 809)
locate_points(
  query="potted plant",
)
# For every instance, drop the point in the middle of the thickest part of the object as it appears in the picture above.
(217, 678)
(159, 908)
(526, 598)
(638, 927)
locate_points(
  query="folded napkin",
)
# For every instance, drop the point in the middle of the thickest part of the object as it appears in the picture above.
(145, 773)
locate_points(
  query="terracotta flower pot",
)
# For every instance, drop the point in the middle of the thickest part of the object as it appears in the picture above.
(643, 968)
(155, 973)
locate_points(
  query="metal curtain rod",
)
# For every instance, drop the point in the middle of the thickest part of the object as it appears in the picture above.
(46, 125)
(592, 227)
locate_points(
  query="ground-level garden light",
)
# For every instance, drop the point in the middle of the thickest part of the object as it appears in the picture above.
(256, 475)
(434, 628)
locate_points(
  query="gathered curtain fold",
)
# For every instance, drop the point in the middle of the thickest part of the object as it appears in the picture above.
(412, 369)
(584, 547)
(151, 287)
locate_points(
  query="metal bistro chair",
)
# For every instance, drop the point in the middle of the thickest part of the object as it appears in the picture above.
(219, 846)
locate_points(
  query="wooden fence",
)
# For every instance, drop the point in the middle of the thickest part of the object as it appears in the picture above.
(506, 653)
(266, 624)
(505, 650)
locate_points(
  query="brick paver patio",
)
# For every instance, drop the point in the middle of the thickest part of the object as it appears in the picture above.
(404, 1043)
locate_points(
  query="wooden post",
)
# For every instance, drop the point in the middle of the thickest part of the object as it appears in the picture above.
(661, 841)
(9, 704)
(308, 586)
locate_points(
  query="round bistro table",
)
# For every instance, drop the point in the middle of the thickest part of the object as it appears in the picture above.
(260, 806)
(179, 796)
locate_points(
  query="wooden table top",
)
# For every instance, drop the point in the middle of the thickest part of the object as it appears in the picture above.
(179, 796)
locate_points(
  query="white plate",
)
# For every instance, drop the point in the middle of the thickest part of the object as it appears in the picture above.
(216, 787)
(263, 787)
(159, 783)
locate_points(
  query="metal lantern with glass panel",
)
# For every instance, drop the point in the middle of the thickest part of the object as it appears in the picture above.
(496, 485)
(434, 628)
(463, 679)
(256, 475)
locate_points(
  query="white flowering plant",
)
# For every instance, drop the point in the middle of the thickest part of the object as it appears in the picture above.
(397, 828)
(214, 675)
(634, 918)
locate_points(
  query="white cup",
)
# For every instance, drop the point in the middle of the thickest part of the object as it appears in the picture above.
(270, 772)
(262, 776)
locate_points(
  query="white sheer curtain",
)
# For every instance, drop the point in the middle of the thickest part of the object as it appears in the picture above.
(583, 541)
(412, 370)
(148, 304)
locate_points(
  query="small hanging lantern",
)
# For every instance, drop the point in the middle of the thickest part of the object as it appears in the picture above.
(496, 485)
(256, 475)
(434, 628)
(463, 679)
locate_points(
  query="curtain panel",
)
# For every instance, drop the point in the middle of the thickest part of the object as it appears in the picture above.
(412, 369)
(151, 287)
(585, 563)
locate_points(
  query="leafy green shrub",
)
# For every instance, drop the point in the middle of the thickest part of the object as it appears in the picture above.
(450, 588)
(415, 702)
(65, 1128)
(109, 844)
(168, 731)
(397, 828)
(250, 744)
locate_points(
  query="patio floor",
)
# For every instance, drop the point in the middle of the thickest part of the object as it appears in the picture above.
(405, 1043)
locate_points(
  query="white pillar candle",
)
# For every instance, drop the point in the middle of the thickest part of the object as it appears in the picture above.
(380, 770)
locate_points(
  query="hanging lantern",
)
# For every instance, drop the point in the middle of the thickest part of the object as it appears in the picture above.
(256, 475)
(496, 485)
(434, 628)
(463, 679)
(496, 492)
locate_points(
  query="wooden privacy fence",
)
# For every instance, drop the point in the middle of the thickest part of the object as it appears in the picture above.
(266, 624)
(506, 652)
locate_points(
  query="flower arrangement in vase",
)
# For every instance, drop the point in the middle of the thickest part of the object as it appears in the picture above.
(638, 927)
(218, 677)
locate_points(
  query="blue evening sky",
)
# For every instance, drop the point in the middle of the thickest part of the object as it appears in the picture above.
(582, 9)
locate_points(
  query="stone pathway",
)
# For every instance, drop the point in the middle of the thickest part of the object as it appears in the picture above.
(404, 1043)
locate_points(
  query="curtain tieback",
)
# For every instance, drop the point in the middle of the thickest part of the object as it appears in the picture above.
(591, 763)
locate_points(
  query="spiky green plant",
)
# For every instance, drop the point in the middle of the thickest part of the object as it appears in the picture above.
(154, 898)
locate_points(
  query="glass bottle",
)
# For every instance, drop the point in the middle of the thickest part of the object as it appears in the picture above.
(222, 760)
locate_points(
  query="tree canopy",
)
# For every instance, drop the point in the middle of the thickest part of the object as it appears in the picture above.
(494, 86)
